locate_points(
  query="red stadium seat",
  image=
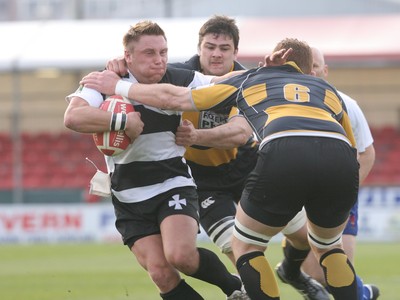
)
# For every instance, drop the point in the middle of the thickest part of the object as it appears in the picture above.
(63, 165)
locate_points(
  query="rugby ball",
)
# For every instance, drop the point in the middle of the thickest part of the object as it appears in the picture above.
(113, 143)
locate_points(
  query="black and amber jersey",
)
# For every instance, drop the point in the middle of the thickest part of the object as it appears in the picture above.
(279, 102)
(212, 168)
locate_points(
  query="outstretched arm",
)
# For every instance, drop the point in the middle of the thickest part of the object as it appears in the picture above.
(233, 134)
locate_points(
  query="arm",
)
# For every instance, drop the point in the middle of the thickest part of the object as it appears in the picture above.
(161, 95)
(277, 58)
(81, 117)
(366, 160)
(217, 79)
(233, 134)
(362, 135)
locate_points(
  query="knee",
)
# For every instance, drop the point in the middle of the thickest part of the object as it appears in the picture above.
(337, 268)
(185, 261)
(165, 277)
(298, 240)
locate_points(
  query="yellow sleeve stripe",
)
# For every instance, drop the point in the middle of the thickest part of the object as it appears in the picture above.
(255, 94)
(210, 96)
(333, 102)
(347, 127)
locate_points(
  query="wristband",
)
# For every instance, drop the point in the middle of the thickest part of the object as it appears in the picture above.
(122, 88)
(118, 121)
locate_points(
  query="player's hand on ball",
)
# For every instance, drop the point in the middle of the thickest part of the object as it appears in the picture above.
(134, 125)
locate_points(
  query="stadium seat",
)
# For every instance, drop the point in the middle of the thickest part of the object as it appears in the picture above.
(63, 165)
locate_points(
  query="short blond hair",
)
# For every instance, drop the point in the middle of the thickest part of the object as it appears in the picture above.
(140, 29)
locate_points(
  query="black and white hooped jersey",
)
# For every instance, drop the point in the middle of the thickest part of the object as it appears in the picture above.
(153, 163)
(279, 102)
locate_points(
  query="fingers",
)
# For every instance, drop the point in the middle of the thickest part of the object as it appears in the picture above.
(186, 122)
(286, 53)
(185, 135)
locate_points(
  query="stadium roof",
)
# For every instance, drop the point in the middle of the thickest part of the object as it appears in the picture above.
(345, 39)
(89, 44)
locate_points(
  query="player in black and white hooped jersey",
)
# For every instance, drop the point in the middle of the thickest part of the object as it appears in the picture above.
(153, 192)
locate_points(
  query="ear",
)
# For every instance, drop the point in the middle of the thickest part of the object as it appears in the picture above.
(127, 55)
(326, 71)
(235, 53)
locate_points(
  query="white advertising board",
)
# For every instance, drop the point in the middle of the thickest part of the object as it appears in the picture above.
(379, 220)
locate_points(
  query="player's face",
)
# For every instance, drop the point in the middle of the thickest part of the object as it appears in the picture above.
(319, 66)
(217, 53)
(147, 59)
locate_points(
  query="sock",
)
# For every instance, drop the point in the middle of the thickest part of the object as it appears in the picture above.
(360, 289)
(293, 259)
(366, 293)
(212, 270)
(182, 291)
(257, 276)
(339, 275)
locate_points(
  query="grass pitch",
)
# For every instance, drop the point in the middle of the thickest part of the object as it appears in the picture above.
(110, 271)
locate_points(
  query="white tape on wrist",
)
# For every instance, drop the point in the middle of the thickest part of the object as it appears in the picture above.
(118, 121)
(122, 88)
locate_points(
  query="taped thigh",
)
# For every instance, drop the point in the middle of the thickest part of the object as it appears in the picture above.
(296, 223)
(323, 243)
(249, 236)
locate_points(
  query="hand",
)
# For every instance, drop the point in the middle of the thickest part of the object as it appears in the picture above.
(134, 125)
(118, 65)
(277, 58)
(186, 135)
(103, 82)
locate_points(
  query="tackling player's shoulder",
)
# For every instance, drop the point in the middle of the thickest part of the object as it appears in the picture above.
(177, 76)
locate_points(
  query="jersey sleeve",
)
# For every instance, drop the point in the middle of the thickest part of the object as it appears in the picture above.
(359, 124)
(93, 97)
(234, 113)
(214, 97)
(200, 79)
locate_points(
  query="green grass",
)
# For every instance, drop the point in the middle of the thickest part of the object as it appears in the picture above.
(110, 271)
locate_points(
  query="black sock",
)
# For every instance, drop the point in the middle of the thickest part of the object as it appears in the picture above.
(293, 260)
(257, 276)
(212, 270)
(339, 274)
(182, 291)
